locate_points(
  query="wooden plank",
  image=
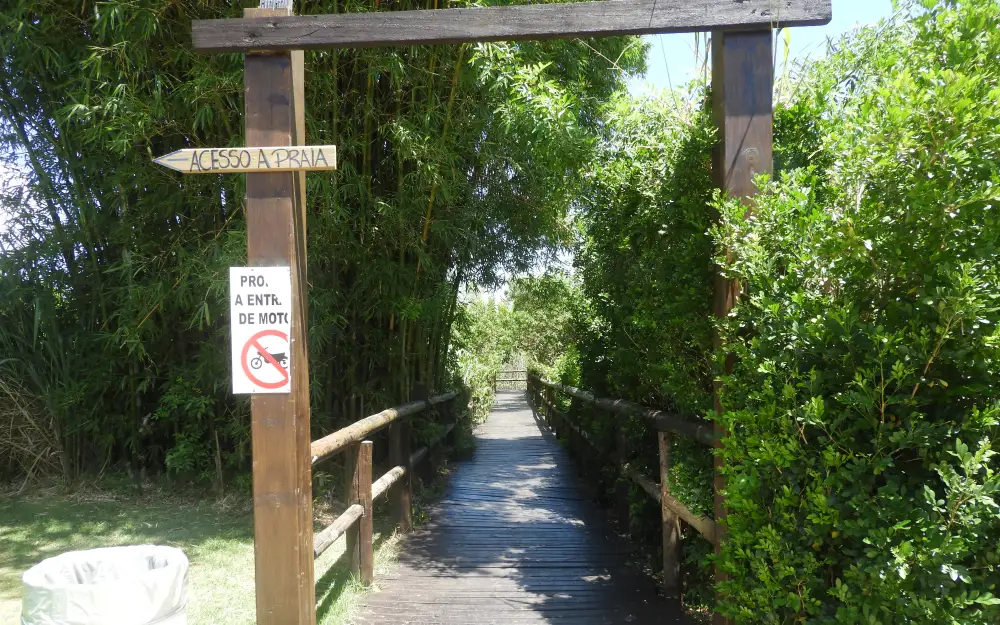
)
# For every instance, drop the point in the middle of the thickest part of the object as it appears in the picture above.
(516, 539)
(670, 525)
(742, 87)
(304, 433)
(262, 159)
(387, 481)
(338, 528)
(498, 23)
(330, 444)
(365, 546)
(279, 423)
(704, 525)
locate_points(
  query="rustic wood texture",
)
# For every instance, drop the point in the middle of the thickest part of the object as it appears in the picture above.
(280, 422)
(671, 528)
(301, 313)
(323, 448)
(496, 23)
(387, 481)
(704, 525)
(365, 525)
(418, 456)
(250, 159)
(660, 420)
(742, 87)
(337, 529)
(515, 540)
(352, 479)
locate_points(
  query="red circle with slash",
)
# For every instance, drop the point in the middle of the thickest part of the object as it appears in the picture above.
(269, 359)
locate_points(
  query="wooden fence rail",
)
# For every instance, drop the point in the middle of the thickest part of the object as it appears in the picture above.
(665, 424)
(512, 379)
(356, 521)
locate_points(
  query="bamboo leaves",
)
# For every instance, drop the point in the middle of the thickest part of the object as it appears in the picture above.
(457, 165)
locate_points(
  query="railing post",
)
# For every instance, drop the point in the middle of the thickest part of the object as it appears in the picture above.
(550, 411)
(352, 480)
(621, 484)
(451, 416)
(671, 524)
(399, 455)
(279, 423)
(365, 530)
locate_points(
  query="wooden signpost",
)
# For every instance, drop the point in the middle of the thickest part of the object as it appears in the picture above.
(236, 160)
(273, 41)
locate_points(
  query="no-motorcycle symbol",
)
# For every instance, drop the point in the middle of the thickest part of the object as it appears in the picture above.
(260, 301)
(265, 359)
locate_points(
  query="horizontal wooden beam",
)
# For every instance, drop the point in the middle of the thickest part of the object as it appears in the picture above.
(385, 482)
(336, 529)
(704, 525)
(330, 444)
(659, 419)
(499, 23)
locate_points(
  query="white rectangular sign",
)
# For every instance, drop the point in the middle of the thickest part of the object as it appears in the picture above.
(260, 305)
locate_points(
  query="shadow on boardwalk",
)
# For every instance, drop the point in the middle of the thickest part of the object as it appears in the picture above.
(515, 540)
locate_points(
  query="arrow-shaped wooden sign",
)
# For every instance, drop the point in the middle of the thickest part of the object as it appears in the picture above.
(233, 160)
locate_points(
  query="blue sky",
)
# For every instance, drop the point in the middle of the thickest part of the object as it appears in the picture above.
(671, 58)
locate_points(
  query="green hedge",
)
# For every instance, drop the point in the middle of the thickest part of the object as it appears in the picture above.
(864, 403)
(644, 331)
(865, 397)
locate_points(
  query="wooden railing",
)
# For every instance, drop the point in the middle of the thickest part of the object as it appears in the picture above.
(511, 380)
(665, 424)
(361, 492)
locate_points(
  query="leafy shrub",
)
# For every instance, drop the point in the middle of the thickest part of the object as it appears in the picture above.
(456, 165)
(863, 405)
(643, 329)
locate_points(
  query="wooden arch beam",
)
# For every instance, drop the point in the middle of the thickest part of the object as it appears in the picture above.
(496, 23)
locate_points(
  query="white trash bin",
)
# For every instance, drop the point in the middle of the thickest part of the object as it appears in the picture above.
(137, 585)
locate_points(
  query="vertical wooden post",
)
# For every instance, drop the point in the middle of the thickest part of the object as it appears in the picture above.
(671, 524)
(365, 546)
(550, 409)
(352, 481)
(282, 470)
(555, 418)
(742, 86)
(451, 416)
(399, 455)
(621, 483)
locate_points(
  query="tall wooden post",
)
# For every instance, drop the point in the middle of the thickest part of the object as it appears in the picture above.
(282, 470)
(742, 86)
(365, 546)
(671, 526)
(352, 481)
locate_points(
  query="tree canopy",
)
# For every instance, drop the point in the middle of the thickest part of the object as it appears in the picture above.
(457, 164)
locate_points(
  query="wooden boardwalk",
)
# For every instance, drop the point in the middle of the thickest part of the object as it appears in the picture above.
(515, 540)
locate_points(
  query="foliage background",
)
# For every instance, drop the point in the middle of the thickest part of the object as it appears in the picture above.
(457, 164)
(863, 408)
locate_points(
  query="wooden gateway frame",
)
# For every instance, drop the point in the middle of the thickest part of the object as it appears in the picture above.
(273, 41)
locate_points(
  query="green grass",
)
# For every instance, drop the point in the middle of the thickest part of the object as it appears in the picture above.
(217, 537)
